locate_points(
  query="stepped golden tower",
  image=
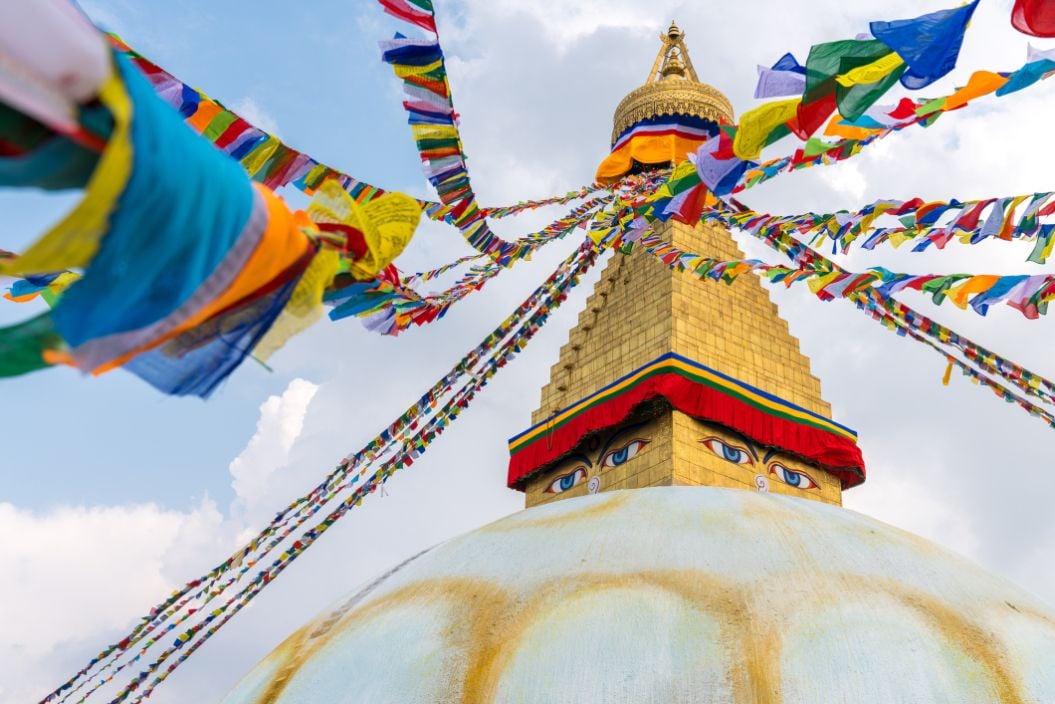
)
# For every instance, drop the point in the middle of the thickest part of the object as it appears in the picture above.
(683, 541)
(642, 310)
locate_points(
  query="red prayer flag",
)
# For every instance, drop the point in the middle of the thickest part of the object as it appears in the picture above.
(1034, 17)
(969, 220)
(403, 11)
(904, 110)
(908, 205)
(812, 116)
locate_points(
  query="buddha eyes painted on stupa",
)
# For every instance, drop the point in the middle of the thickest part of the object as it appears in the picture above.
(743, 452)
(712, 455)
(624, 454)
(600, 455)
(729, 453)
(799, 480)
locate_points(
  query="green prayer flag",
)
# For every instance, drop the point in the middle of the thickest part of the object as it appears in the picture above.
(22, 346)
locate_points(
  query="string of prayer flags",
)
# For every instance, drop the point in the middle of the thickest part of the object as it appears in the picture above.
(1034, 17)
(985, 361)
(174, 629)
(274, 163)
(829, 281)
(884, 316)
(1031, 383)
(433, 122)
(1028, 294)
(850, 76)
(408, 280)
(266, 158)
(390, 306)
(227, 265)
(724, 173)
(507, 210)
(926, 223)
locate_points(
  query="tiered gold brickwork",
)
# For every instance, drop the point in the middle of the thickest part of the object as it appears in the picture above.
(639, 310)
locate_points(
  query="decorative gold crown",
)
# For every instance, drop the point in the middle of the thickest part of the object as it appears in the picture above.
(672, 88)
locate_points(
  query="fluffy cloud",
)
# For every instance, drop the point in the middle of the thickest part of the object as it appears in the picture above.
(252, 111)
(280, 424)
(77, 577)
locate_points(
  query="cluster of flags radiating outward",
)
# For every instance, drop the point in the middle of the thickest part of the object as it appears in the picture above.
(180, 261)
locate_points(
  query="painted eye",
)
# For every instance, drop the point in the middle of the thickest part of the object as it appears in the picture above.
(567, 481)
(729, 453)
(624, 454)
(790, 477)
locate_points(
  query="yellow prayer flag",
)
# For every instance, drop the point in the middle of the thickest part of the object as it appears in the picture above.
(73, 242)
(817, 283)
(304, 306)
(403, 71)
(387, 224)
(260, 155)
(756, 125)
(870, 73)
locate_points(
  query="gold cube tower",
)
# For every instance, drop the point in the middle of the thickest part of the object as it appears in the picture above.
(640, 311)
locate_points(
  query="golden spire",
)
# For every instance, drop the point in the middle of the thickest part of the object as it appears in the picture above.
(673, 58)
(672, 88)
(674, 68)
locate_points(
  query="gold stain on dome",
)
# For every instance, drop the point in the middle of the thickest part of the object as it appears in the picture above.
(672, 88)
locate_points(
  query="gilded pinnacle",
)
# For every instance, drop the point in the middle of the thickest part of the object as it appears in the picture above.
(672, 88)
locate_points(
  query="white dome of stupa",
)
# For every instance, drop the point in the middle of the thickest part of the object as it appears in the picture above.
(673, 595)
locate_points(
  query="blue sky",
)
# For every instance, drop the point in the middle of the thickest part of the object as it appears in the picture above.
(110, 486)
(328, 94)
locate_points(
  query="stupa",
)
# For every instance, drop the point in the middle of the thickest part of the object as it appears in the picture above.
(684, 539)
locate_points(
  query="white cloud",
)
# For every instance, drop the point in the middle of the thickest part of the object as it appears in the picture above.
(88, 565)
(268, 451)
(846, 179)
(76, 577)
(252, 112)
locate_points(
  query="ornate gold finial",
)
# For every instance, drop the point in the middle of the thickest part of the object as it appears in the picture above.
(672, 88)
(673, 68)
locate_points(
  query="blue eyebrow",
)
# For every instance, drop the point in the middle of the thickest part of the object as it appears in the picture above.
(577, 456)
(769, 455)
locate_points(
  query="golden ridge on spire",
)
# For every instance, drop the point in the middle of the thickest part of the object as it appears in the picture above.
(672, 88)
